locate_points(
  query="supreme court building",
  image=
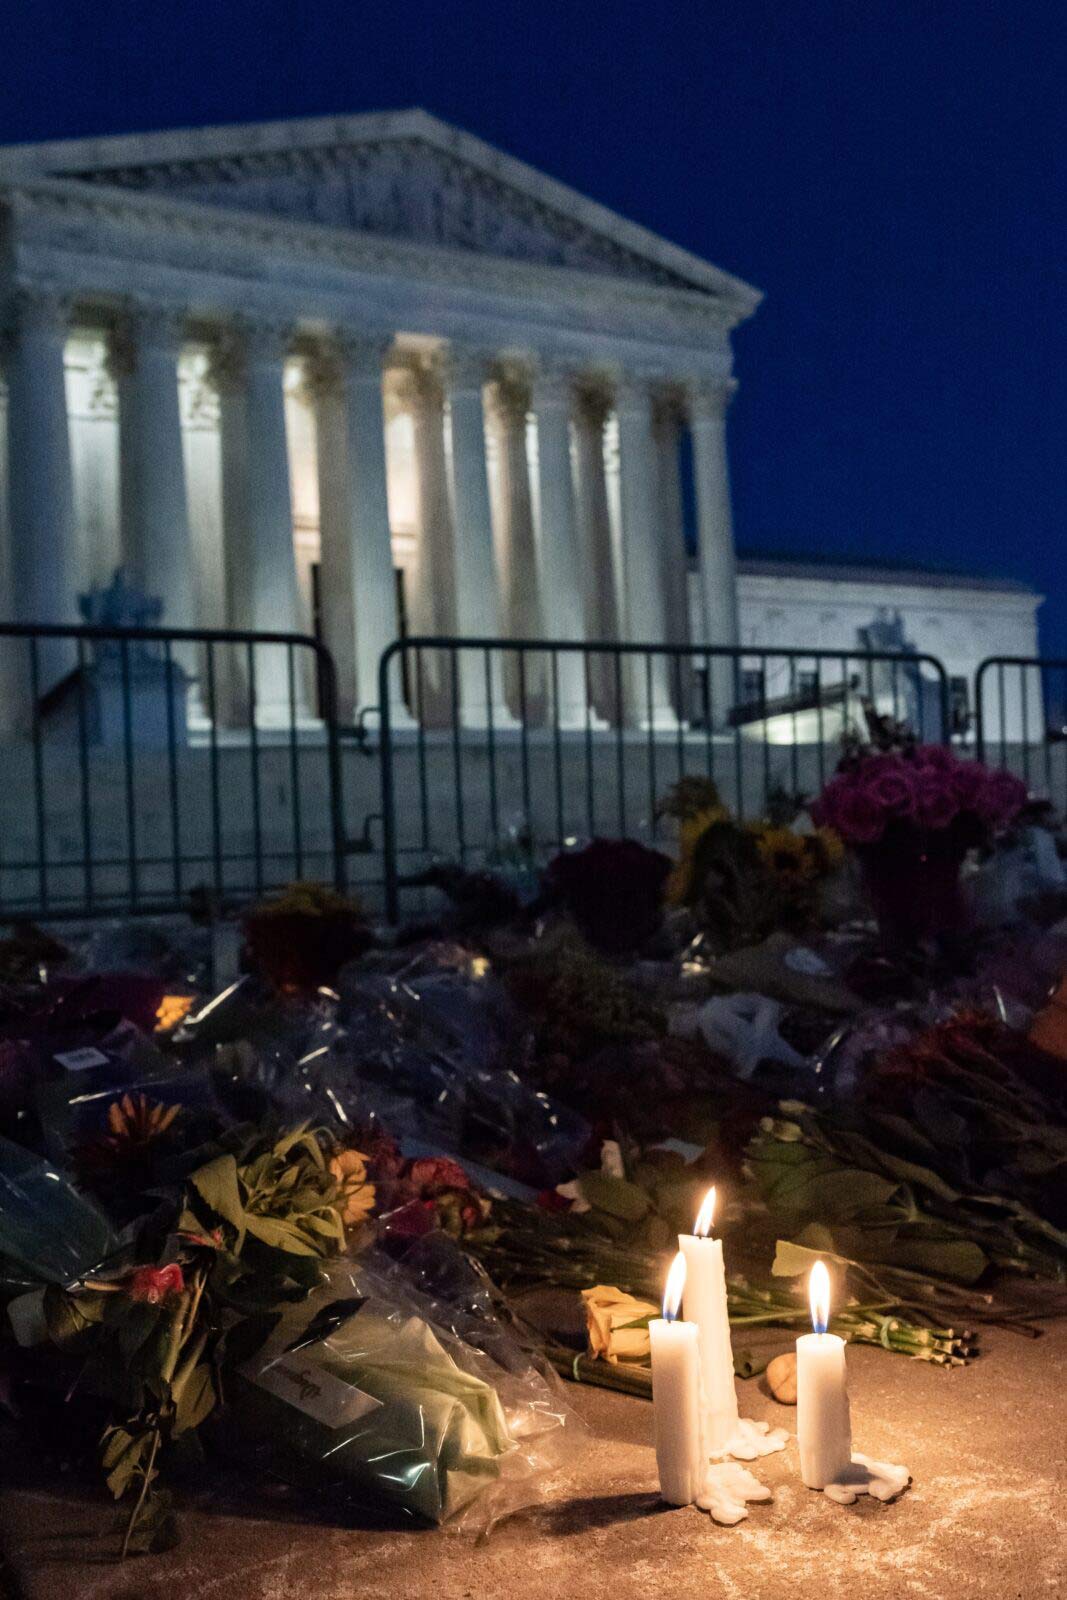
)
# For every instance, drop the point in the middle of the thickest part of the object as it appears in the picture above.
(362, 375)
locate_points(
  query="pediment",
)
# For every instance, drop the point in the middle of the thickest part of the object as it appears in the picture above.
(402, 175)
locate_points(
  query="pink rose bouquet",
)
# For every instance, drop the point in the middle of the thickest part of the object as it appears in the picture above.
(911, 813)
(926, 788)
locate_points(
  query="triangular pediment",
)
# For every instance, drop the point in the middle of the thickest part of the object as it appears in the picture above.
(405, 175)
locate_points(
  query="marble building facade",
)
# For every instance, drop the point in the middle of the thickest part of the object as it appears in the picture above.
(269, 369)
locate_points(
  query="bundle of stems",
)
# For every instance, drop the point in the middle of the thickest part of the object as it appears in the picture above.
(525, 1248)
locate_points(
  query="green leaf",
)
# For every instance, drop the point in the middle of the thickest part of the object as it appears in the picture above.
(195, 1400)
(218, 1187)
(281, 1235)
(616, 1196)
(121, 1459)
(793, 1260)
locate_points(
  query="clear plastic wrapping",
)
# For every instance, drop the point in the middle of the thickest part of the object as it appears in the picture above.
(369, 1390)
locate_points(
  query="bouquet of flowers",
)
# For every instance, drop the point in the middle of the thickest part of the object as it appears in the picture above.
(911, 812)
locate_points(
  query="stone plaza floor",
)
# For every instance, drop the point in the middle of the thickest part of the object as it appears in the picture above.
(985, 1518)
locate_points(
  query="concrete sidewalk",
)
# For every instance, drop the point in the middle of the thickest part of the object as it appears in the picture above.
(985, 1519)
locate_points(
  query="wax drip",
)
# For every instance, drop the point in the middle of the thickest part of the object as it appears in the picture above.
(753, 1439)
(726, 1490)
(878, 1478)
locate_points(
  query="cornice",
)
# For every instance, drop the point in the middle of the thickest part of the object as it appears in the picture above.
(70, 201)
(276, 146)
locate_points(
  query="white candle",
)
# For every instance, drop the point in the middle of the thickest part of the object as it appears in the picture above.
(824, 1428)
(705, 1304)
(676, 1397)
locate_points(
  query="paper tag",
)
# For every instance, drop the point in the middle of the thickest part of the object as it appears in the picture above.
(79, 1060)
(311, 1389)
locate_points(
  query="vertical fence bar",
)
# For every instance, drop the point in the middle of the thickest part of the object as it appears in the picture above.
(620, 724)
(650, 715)
(709, 742)
(681, 706)
(524, 741)
(590, 788)
(327, 680)
(253, 761)
(294, 766)
(86, 780)
(172, 771)
(131, 789)
(557, 748)
(387, 777)
(38, 775)
(457, 753)
(424, 790)
(216, 816)
(490, 750)
(739, 775)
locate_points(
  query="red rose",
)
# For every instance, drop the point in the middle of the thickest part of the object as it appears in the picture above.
(153, 1284)
(968, 782)
(431, 1175)
(891, 787)
(858, 816)
(935, 800)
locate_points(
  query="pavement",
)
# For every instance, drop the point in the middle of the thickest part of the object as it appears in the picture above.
(985, 1518)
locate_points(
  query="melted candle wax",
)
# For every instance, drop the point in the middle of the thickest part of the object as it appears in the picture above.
(725, 1432)
(824, 1425)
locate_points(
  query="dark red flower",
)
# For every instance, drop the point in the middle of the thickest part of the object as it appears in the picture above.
(431, 1175)
(153, 1284)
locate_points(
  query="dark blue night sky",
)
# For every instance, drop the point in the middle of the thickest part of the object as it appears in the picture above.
(890, 172)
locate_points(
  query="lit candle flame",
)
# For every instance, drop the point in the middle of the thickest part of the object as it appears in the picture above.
(672, 1294)
(706, 1215)
(819, 1295)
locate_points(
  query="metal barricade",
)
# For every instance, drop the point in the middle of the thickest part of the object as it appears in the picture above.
(498, 745)
(151, 769)
(1020, 711)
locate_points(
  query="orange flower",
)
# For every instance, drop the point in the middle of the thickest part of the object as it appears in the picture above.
(355, 1201)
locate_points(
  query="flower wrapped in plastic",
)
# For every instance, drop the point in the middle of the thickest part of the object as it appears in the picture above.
(365, 1391)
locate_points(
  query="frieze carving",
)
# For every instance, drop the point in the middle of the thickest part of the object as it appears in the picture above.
(214, 236)
(401, 188)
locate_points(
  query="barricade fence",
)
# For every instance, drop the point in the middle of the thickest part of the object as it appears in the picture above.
(148, 769)
(155, 770)
(492, 747)
(1020, 714)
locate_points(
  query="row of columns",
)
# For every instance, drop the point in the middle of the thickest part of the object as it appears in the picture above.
(544, 565)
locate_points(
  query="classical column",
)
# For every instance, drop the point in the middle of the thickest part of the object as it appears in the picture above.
(708, 403)
(257, 510)
(154, 509)
(558, 546)
(667, 428)
(597, 564)
(520, 579)
(358, 583)
(477, 581)
(431, 590)
(156, 546)
(644, 598)
(44, 558)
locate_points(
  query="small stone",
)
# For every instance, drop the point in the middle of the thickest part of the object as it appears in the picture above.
(782, 1378)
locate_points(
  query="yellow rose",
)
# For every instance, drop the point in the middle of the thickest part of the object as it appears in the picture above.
(355, 1201)
(607, 1311)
